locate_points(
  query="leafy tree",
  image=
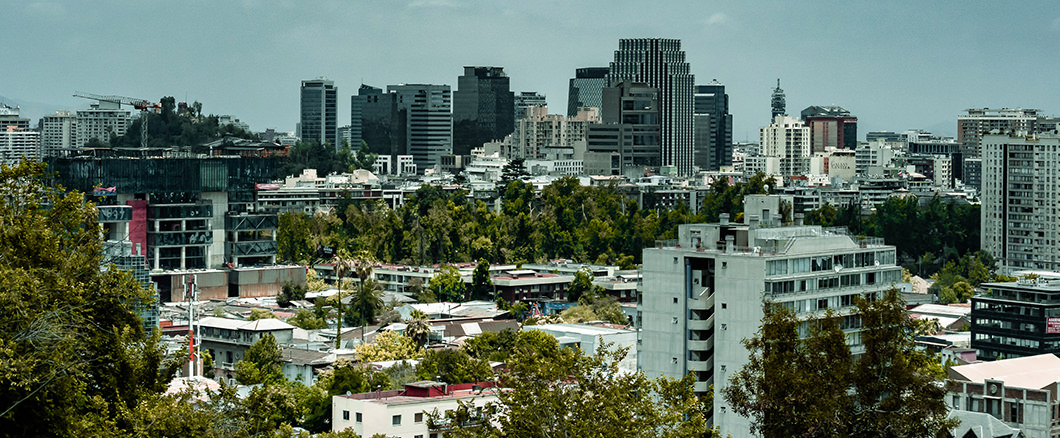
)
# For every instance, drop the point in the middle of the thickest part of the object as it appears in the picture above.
(368, 298)
(581, 285)
(76, 359)
(293, 240)
(578, 395)
(452, 366)
(418, 330)
(256, 314)
(481, 283)
(813, 386)
(388, 345)
(307, 320)
(352, 378)
(447, 285)
(290, 292)
(513, 171)
(262, 363)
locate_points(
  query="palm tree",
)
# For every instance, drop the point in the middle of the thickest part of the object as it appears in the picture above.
(369, 297)
(342, 266)
(418, 330)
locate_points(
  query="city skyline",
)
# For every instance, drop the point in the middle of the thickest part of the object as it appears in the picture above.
(895, 66)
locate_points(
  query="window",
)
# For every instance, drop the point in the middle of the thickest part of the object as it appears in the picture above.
(675, 300)
(358, 417)
(346, 415)
(419, 417)
(396, 420)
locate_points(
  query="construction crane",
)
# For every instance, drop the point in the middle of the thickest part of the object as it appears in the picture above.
(143, 105)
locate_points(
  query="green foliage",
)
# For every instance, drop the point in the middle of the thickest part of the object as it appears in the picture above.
(956, 282)
(500, 346)
(293, 240)
(326, 159)
(389, 345)
(577, 395)
(74, 355)
(169, 129)
(419, 331)
(582, 284)
(307, 320)
(347, 377)
(595, 308)
(812, 384)
(452, 366)
(447, 285)
(290, 292)
(262, 363)
(481, 283)
(256, 314)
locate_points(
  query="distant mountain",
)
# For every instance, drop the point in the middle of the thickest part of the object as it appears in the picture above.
(35, 110)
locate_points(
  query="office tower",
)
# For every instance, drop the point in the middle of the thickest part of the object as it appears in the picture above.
(630, 129)
(831, 127)
(9, 116)
(539, 130)
(660, 64)
(525, 100)
(972, 126)
(586, 88)
(713, 126)
(428, 128)
(483, 108)
(58, 133)
(779, 106)
(1016, 319)
(374, 119)
(100, 122)
(936, 157)
(1020, 225)
(703, 292)
(886, 136)
(319, 121)
(787, 140)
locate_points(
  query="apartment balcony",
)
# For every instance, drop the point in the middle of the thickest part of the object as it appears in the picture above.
(706, 345)
(701, 365)
(701, 324)
(704, 300)
(701, 386)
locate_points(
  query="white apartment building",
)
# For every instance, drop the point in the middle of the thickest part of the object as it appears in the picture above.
(405, 413)
(702, 293)
(1020, 198)
(16, 143)
(58, 132)
(100, 121)
(788, 139)
(870, 159)
(539, 130)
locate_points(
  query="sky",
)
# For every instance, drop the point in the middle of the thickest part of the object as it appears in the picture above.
(896, 65)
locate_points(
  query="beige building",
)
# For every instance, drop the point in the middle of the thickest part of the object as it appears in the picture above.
(1020, 392)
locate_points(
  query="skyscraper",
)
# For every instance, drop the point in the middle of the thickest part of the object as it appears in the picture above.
(788, 140)
(374, 119)
(428, 130)
(483, 108)
(777, 102)
(713, 126)
(971, 126)
(831, 127)
(319, 121)
(630, 129)
(58, 132)
(660, 63)
(585, 88)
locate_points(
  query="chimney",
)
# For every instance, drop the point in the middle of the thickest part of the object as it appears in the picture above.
(723, 218)
(752, 222)
(729, 243)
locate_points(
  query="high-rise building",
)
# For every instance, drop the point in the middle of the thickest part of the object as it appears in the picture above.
(630, 128)
(539, 130)
(16, 144)
(483, 108)
(586, 88)
(1016, 319)
(777, 103)
(972, 126)
(713, 126)
(831, 127)
(58, 133)
(428, 128)
(374, 119)
(1020, 225)
(660, 64)
(101, 121)
(703, 293)
(787, 139)
(319, 121)
(526, 100)
(9, 116)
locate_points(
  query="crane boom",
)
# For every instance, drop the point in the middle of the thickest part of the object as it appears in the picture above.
(143, 105)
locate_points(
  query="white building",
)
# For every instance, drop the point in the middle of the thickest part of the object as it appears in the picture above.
(540, 130)
(702, 293)
(788, 139)
(589, 338)
(17, 143)
(405, 413)
(1020, 225)
(872, 158)
(1020, 392)
(58, 132)
(102, 120)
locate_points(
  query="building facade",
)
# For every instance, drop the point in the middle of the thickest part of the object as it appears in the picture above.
(977, 122)
(1020, 191)
(538, 130)
(1016, 319)
(526, 100)
(101, 121)
(426, 110)
(16, 144)
(484, 99)
(788, 140)
(630, 127)
(319, 114)
(1022, 393)
(831, 127)
(660, 64)
(713, 127)
(405, 413)
(585, 89)
(703, 293)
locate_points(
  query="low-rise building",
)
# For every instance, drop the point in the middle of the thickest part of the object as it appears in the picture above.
(228, 340)
(406, 413)
(1020, 392)
(1016, 319)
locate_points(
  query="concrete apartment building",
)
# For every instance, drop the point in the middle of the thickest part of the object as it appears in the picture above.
(58, 133)
(228, 340)
(1016, 319)
(1020, 392)
(16, 144)
(538, 130)
(1020, 192)
(405, 413)
(703, 293)
(100, 121)
(977, 122)
(831, 127)
(788, 140)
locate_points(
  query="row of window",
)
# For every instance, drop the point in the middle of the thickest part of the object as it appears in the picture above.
(395, 420)
(824, 263)
(833, 282)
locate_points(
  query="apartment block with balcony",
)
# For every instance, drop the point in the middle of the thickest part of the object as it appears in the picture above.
(228, 340)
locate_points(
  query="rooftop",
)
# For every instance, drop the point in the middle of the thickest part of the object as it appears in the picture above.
(267, 324)
(1025, 372)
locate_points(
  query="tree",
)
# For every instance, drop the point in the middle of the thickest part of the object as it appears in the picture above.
(261, 363)
(580, 395)
(812, 385)
(418, 330)
(481, 283)
(388, 345)
(256, 314)
(582, 284)
(368, 299)
(349, 377)
(76, 359)
(307, 320)
(447, 285)
(290, 292)
(452, 366)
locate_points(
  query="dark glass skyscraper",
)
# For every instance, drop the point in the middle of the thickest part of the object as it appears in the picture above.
(585, 88)
(483, 108)
(660, 64)
(713, 134)
(319, 115)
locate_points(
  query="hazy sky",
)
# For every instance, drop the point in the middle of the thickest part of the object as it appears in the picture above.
(896, 65)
